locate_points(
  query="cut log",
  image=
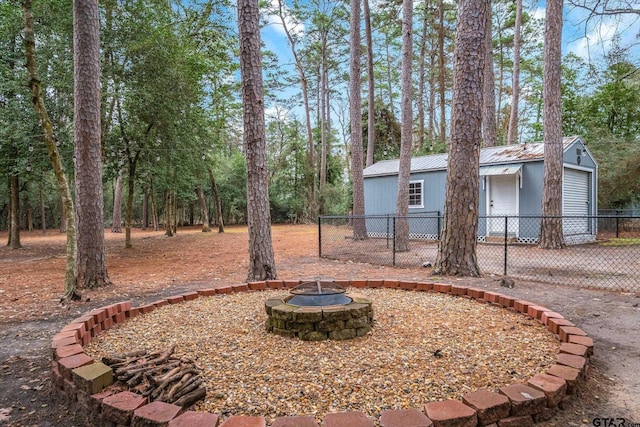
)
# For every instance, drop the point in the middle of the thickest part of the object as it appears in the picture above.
(188, 388)
(158, 375)
(191, 398)
(177, 386)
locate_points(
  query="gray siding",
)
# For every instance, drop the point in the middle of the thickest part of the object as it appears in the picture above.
(571, 156)
(531, 192)
(380, 195)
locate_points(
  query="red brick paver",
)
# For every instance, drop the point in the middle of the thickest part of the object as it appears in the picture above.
(404, 418)
(451, 413)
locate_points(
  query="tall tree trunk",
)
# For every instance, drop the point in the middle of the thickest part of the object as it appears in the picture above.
(91, 262)
(311, 161)
(116, 224)
(422, 77)
(154, 208)
(174, 216)
(216, 197)
(131, 180)
(261, 259)
(501, 88)
(168, 212)
(442, 72)
(432, 98)
(14, 213)
(489, 131)
(63, 221)
(512, 134)
(551, 233)
(323, 118)
(204, 212)
(145, 208)
(371, 112)
(64, 191)
(43, 216)
(28, 212)
(326, 124)
(390, 80)
(457, 247)
(355, 108)
(406, 141)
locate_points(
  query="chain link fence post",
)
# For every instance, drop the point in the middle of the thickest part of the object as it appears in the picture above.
(506, 240)
(319, 237)
(394, 241)
(388, 216)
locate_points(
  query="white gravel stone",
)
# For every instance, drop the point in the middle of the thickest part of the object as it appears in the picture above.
(423, 347)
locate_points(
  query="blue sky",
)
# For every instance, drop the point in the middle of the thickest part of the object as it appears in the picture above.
(592, 39)
(585, 39)
(589, 40)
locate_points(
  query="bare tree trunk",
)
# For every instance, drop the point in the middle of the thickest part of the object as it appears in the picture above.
(91, 262)
(154, 210)
(512, 134)
(14, 213)
(327, 120)
(489, 132)
(168, 211)
(323, 117)
(311, 171)
(9, 212)
(371, 131)
(261, 259)
(422, 77)
(390, 80)
(457, 247)
(116, 224)
(355, 108)
(131, 180)
(63, 220)
(551, 233)
(216, 196)
(43, 216)
(145, 208)
(28, 212)
(442, 72)
(501, 95)
(432, 97)
(204, 212)
(174, 215)
(64, 191)
(402, 203)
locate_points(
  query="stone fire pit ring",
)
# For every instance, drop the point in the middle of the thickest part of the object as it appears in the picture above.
(317, 323)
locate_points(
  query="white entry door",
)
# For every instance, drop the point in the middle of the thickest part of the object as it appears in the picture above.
(503, 201)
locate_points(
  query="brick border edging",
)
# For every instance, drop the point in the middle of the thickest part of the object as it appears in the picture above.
(86, 384)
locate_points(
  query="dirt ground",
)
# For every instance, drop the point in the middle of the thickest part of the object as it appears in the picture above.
(31, 281)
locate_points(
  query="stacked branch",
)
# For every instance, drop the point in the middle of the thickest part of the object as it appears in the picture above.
(159, 376)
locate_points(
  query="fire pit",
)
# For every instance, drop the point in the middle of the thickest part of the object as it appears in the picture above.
(318, 294)
(316, 311)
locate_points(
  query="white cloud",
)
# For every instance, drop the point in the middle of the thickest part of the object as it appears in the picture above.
(588, 38)
(538, 13)
(296, 28)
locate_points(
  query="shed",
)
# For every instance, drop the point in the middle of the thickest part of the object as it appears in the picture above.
(511, 181)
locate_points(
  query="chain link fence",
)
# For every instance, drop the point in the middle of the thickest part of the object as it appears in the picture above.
(602, 251)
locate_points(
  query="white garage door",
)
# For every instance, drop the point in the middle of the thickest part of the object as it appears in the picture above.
(575, 201)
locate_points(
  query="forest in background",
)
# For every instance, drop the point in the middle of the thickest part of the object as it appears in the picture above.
(172, 118)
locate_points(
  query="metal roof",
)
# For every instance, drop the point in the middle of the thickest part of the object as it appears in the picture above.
(488, 156)
(510, 169)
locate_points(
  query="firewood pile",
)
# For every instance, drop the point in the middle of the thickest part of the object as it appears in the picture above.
(159, 376)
